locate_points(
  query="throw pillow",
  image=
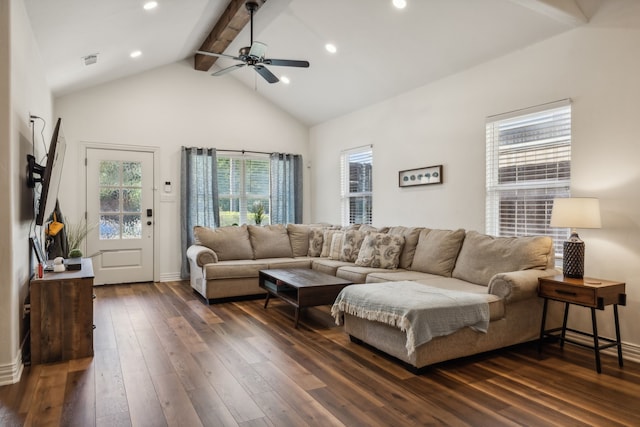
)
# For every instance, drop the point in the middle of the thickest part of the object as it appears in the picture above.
(270, 241)
(351, 242)
(336, 246)
(380, 250)
(437, 251)
(316, 236)
(227, 242)
(326, 241)
(411, 235)
(299, 238)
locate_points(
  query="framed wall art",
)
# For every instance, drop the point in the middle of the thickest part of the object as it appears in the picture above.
(421, 176)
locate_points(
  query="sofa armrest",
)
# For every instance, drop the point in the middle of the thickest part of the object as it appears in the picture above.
(201, 255)
(518, 285)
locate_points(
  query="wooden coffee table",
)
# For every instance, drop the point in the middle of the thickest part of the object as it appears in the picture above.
(301, 287)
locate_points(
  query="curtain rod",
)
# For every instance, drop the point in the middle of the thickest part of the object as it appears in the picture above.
(244, 151)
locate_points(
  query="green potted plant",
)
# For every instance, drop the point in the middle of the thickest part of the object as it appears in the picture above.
(258, 212)
(76, 233)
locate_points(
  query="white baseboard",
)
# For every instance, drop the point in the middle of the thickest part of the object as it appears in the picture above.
(630, 352)
(11, 373)
(170, 277)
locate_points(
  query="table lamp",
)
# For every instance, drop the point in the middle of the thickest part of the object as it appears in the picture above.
(575, 212)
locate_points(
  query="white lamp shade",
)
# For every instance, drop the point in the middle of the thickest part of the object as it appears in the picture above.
(576, 212)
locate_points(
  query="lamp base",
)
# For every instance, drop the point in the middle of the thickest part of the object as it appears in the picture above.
(573, 261)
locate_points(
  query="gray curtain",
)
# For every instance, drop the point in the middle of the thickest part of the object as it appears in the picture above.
(286, 188)
(198, 196)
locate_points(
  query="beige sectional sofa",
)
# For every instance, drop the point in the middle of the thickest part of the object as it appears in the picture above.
(225, 263)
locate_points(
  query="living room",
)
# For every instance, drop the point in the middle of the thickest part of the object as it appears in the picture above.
(443, 122)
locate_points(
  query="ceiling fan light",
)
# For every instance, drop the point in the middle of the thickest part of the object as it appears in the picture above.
(399, 4)
(150, 5)
(331, 48)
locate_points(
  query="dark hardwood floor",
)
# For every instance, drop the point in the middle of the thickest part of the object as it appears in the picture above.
(162, 357)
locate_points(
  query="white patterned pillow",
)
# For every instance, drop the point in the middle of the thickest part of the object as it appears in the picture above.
(326, 241)
(380, 250)
(336, 245)
(351, 242)
(316, 237)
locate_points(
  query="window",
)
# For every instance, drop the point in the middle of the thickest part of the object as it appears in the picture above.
(243, 188)
(120, 200)
(356, 182)
(528, 165)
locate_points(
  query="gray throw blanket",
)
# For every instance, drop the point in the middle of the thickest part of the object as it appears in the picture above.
(422, 311)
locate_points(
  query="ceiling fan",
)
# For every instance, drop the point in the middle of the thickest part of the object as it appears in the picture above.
(253, 56)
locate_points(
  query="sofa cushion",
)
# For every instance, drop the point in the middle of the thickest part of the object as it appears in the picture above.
(483, 256)
(356, 274)
(227, 242)
(380, 250)
(399, 275)
(351, 242)
(437, 251)
(270, 241)
(316, 237)
(234, 269)
(336, 245)
(328, 266)
(411, 235)
(299, 239)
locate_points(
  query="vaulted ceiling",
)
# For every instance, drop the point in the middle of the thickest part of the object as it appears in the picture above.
(381, 51)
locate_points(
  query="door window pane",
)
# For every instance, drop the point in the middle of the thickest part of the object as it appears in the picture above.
(120, 200)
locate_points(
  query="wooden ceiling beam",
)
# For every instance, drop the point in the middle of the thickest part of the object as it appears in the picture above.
(231, 22)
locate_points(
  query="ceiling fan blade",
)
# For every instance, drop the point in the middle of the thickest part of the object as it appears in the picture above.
(218, 55)
(286, 63)
(228, 69)
(266, 74)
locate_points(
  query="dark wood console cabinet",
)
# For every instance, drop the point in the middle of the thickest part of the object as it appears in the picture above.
(62, 315)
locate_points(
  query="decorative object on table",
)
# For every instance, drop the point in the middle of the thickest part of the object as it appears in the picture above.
(58, 265)
(575, 212)
(421, 176)
(76, 233)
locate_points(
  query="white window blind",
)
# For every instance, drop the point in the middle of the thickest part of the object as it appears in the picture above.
(243, 183)
(528, 165)
(356, 182)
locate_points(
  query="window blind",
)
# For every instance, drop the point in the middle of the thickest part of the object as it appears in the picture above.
(528, 165)
(356, 177)
(243, 183)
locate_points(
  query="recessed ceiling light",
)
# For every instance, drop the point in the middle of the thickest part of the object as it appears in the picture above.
(331, 47)
(135, 54)
(285, 80)
(150, 5)
(400, 4)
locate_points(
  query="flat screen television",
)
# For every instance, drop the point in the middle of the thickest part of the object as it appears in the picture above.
(48, 175)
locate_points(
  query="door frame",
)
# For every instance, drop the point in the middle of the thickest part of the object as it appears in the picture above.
(82, 166)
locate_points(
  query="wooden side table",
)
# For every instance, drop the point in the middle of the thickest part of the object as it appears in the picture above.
(586, 292)
(62, 315)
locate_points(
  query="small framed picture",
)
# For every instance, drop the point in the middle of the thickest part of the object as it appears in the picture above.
(421, 176)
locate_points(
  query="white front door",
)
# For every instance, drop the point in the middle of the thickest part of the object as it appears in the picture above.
(120, 192)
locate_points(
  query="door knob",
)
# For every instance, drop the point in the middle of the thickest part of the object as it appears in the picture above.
(148, 222)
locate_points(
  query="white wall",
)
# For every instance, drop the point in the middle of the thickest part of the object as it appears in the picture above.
(23, 91)
(597, 66)
(167, 108)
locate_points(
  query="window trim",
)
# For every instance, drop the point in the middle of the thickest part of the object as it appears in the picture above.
(345, 194)
(493, 218)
